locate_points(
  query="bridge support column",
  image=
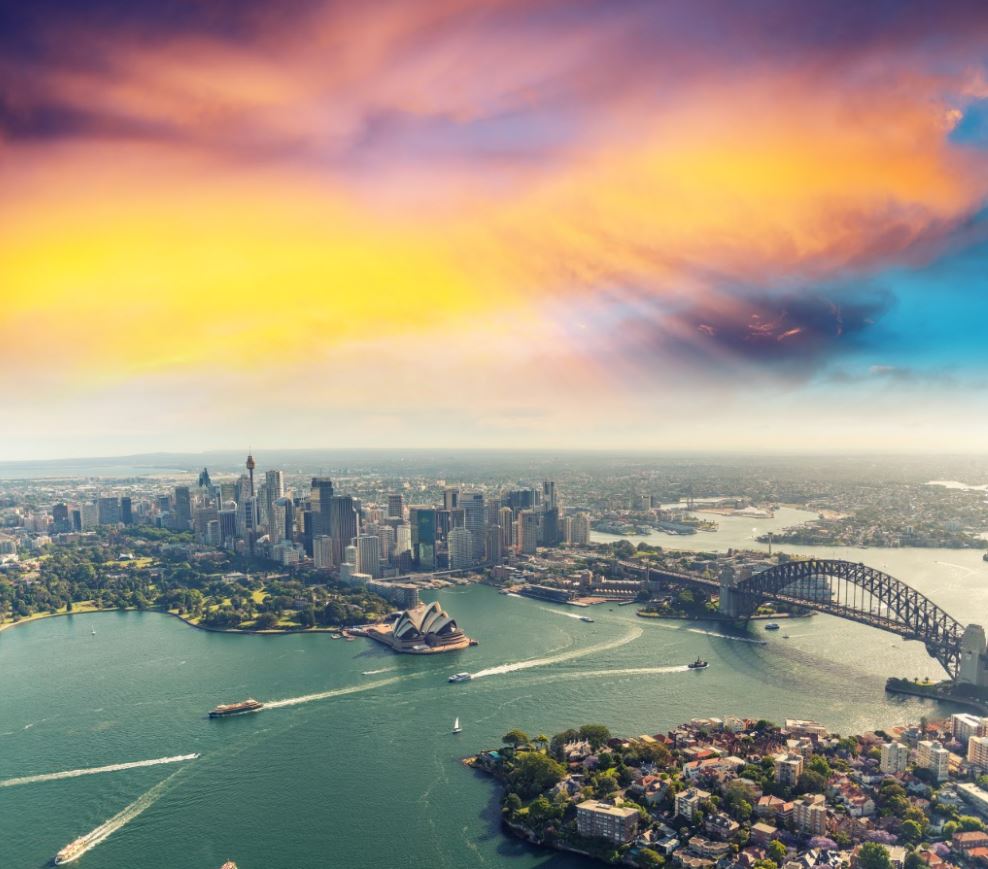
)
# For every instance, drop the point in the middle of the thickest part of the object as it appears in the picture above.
(729, 604)
(973, 668)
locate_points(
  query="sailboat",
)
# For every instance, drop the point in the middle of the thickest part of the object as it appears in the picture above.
(456, 726)
(94, 629)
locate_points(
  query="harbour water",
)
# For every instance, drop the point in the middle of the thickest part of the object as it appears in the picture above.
(348, 769)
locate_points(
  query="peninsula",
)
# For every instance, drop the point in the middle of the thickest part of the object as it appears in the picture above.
(734, 793)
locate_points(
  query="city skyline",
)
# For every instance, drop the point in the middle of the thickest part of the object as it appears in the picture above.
(692, 226)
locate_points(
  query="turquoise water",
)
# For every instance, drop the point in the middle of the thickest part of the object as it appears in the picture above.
(370, 776)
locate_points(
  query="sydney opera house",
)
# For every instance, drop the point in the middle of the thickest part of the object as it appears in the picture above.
(423, 629)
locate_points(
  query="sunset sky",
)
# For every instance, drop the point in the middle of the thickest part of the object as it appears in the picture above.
(551, 223)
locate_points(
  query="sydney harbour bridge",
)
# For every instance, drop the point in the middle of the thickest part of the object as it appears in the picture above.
(855, 592)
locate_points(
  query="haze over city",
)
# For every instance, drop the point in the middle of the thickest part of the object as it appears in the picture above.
(592, 225)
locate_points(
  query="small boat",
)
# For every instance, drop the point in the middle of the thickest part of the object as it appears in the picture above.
(456, 726)
(698, 664)
(586, 619)
(771, 626)
(785, 636)
(94, 630)
(72, 851)
(460, 677)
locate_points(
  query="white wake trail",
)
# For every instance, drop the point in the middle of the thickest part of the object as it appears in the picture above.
(120, 819)
(325, 695)
(633, 635)
(94, 770)
(546, 609)
(727, 637)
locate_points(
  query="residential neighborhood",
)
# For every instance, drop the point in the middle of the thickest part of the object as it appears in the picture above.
(735, 793)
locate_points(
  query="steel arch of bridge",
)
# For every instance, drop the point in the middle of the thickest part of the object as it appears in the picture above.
(858, 593)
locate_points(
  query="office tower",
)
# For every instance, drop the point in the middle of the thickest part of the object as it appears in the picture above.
(403, 539)
(76, 519)
(521, 499)
(451, 498)
(460, 549)
(580, 534)
(369, 555)
(201, 521)
(549, 495)
(228, 522)
(494, 550)
(274, 489)
(506, 520)
(204, 481)
(320, 503)
(444, 523)
(473, 515)
(89, 517)
(214, 536)
(183, 508)
(423, 536)
(550, 527)
(322, 552)
(247, 518)
(527, 532)
(126, 510)
(108, 511)
(386, 534)
(396, 506)
(343, 525)
(228, 492)
(60, 518)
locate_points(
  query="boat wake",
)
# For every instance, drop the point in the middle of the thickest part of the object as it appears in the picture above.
(326, 695)
(727, 636)
(103, 832)
(375, 672)
(94, 770)
(630, 637)
(546, 609)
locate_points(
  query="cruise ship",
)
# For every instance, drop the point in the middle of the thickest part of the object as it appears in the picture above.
(241, 708)
(72, 851)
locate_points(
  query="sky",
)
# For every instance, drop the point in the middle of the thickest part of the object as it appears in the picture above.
(603, 224)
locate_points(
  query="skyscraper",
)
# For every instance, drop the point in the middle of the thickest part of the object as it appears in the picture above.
(60, 518)
(528, 532)
(369, 555)
(451, 498)
(494, 550)
(274, 488)
(320, 503)
(396, 506)
(473, 515)
(343, 525)
(460, 549)
(424, 536)
(108, 511)
(126, 510)
(183, 508)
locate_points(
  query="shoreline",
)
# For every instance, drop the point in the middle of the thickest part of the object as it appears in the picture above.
(276, 632)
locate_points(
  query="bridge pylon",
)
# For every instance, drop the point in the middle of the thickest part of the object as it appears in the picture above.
(973, 665)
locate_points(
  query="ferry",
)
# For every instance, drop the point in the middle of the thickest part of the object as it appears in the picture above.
(241, 708)
(771, 626)
(72, 851)
(460, 677)
(586, 619)
(698, 664)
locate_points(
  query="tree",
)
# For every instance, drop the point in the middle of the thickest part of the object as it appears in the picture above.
(873, 856)
(811, 782)
(512, 803)
(648, 858)
(969, 824)
(818, 763)
(914, 861)
(776, 852)
(596, 734)
(515, 738)
(911, 832)
(535, 773)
